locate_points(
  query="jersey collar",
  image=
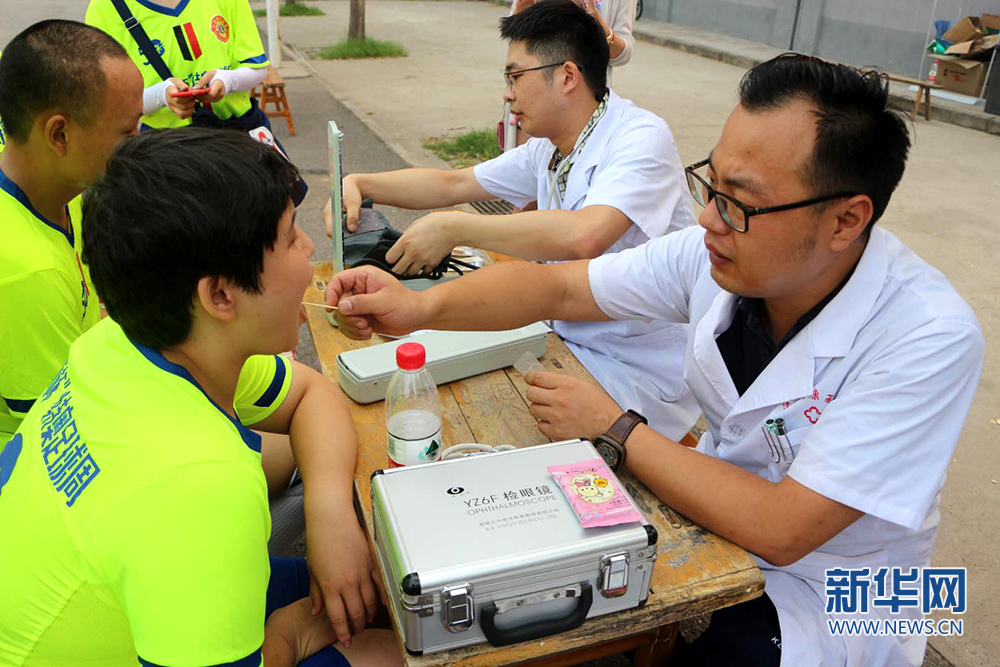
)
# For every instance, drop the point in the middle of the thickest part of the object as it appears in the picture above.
(152, 6)
(12, 188)
(252, 440)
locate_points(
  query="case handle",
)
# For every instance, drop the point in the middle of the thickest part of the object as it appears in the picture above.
(524, 633)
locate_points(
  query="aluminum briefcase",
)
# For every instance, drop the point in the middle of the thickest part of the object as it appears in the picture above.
(488, 549)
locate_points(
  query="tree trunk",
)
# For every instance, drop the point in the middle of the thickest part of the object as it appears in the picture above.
(356, 25)
(291, 2)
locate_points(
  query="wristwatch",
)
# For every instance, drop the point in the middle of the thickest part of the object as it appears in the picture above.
(611, 444)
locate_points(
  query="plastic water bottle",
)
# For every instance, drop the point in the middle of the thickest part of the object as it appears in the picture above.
(412, 410)
(932, 75)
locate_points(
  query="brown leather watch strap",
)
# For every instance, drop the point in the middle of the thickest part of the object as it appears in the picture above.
(623, 426)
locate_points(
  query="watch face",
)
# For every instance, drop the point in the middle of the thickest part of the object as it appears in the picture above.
(608, 453)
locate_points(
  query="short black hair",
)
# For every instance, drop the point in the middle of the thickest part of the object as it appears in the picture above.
(861, 144)
(558, 31)
(53, 64)
(173, 207)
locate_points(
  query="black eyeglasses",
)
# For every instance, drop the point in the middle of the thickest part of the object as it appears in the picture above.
(733, 212)
(508, 75)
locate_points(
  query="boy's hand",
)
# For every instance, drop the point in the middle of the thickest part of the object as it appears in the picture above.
(182, 107)
(216, 89)
(341, 576)
(372, 301)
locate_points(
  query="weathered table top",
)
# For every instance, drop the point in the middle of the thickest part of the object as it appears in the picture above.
(696, 571)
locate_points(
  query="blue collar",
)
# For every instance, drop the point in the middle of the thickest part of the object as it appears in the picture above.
(176, 11)
(12, 188)
(252, 440)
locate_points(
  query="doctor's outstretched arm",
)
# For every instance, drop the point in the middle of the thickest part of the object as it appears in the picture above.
(503, 296)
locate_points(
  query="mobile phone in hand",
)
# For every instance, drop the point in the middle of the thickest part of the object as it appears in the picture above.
(191, 92)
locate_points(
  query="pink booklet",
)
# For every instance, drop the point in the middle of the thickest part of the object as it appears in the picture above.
(593, 493)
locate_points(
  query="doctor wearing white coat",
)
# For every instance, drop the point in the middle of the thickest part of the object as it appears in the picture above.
(606, 176)
(801, 310)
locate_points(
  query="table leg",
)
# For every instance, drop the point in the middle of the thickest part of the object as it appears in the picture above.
(916, 104)
(658, 651)
(927, 103)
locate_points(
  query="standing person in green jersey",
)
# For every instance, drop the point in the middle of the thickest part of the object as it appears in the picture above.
(203, 43)
(70, 93)
(132, 500)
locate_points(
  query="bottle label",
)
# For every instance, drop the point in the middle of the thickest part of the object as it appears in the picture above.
(404, 452)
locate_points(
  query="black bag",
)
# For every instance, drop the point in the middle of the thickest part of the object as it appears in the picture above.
(373, 238)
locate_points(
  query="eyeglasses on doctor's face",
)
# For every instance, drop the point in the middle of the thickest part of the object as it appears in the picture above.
(733, 212)
(510, 76)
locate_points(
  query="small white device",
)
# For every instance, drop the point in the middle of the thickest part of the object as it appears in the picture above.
(364, 373)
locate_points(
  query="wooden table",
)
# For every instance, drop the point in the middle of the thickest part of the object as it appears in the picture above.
(923, 89)
(696, 571)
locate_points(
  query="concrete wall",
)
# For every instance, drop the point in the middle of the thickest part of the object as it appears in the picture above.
(890, 34)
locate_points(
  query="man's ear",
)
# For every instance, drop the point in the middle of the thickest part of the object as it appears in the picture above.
(570, 77)
(217, 297)
(852, 218)
(56, 130)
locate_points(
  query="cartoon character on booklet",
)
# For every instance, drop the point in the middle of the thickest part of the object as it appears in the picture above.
(592, 488)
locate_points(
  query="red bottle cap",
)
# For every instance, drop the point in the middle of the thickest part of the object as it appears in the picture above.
(411, 356)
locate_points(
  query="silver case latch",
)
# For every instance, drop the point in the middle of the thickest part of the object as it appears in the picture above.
(458, 609)
(614, 575)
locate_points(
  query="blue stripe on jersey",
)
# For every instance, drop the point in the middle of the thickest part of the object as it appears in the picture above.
(256, 60)
(12, 188)
(275, 387)
(251, 439)
(176, 11)
(18, 405)
(252, 660)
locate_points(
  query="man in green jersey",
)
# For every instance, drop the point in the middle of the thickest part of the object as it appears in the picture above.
(132, 500)
(70, 93)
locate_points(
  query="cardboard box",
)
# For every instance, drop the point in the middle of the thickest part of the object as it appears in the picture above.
(977, 49)
(966, 30)
(960, 75)
(991, 22)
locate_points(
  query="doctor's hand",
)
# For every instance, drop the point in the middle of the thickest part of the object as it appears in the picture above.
(424, 243)
(352, 198)
(372, 301)
(568, 407)
(341, 577)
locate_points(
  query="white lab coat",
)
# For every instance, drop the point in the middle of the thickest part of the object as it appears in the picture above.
(629, 162)
(874, 393)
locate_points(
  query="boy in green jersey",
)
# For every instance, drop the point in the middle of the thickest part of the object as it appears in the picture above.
(132, 498)
(203, 43)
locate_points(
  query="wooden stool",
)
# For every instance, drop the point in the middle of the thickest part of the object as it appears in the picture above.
(923, 88)
(274, 93)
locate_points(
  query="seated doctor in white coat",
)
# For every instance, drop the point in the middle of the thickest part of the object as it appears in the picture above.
(606, 176)
(801, 309)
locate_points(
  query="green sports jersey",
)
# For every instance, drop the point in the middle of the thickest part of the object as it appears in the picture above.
(3, 135)
(195, 37)
(135, 514)
(46, 300)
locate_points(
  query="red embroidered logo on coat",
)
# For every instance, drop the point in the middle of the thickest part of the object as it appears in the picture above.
(812, 414)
